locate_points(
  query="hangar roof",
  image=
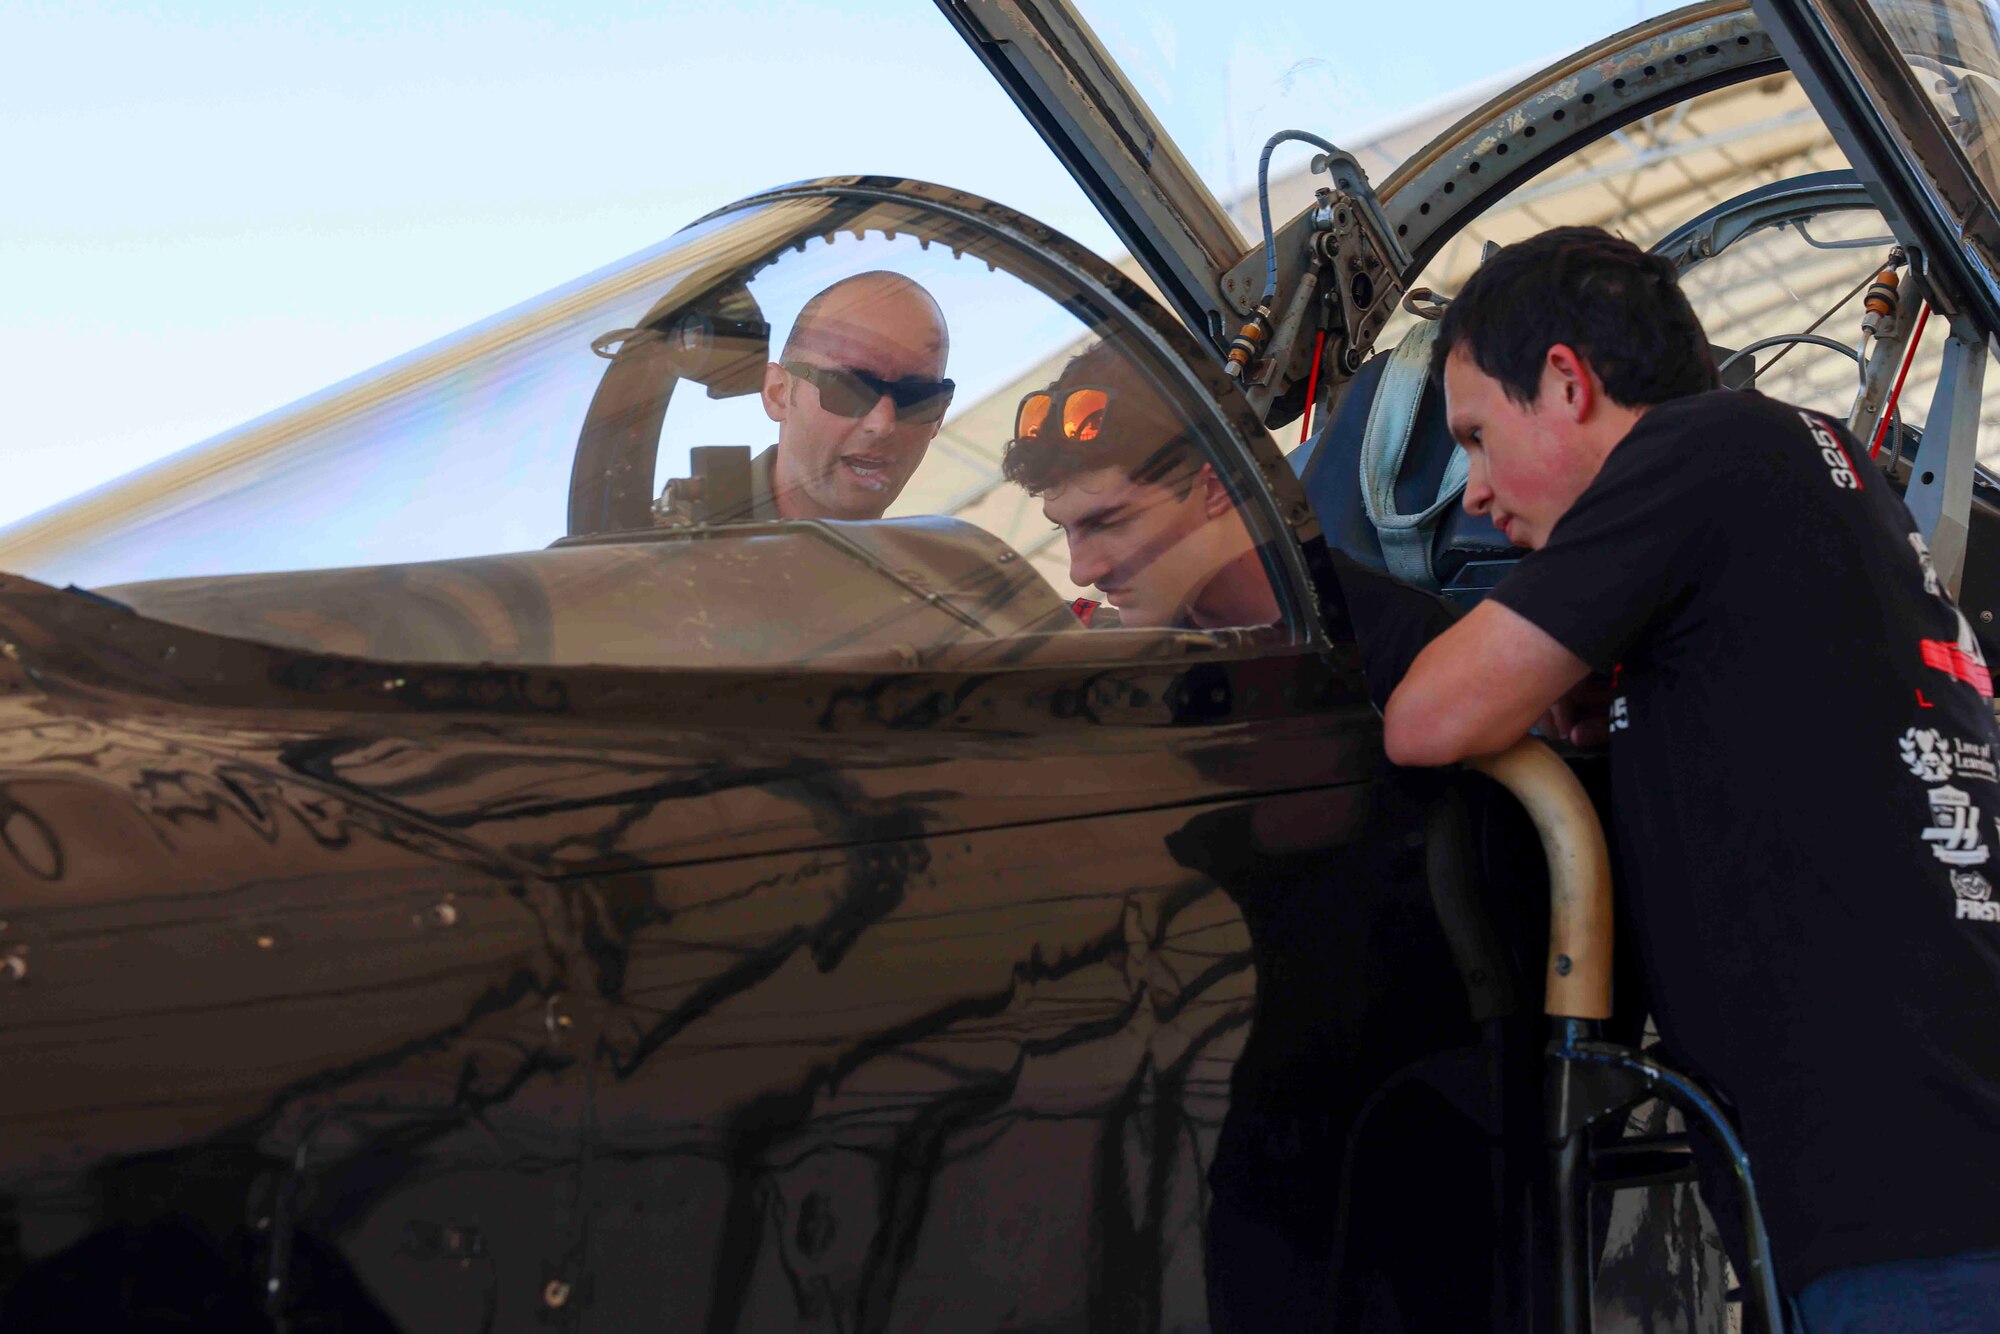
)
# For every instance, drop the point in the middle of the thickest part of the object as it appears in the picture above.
(1641, 182)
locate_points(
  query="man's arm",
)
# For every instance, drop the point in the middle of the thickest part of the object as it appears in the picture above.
(1478, 688)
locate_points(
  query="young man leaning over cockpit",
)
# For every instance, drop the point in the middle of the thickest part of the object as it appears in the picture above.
(1802, 758)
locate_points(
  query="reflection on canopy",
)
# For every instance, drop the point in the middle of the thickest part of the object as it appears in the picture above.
(461, 446)
(498, 496)
(466, 446)
(1953, 47)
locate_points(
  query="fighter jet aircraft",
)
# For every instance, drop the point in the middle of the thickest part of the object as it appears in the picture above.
(619, 819)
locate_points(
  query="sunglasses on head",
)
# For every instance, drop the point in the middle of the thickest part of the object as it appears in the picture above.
(1079, 412)
(850, 393)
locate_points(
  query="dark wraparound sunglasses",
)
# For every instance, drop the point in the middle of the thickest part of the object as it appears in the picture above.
(850, 393)
(1080, 413)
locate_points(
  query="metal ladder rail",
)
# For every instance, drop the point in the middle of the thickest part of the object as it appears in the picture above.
(1589, 1079)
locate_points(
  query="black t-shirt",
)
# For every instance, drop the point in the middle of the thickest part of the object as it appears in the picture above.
(1804, 797)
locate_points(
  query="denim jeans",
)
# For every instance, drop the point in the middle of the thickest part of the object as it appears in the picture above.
(1956, 1295)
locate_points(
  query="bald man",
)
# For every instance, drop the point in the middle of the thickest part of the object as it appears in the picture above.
(858, 393)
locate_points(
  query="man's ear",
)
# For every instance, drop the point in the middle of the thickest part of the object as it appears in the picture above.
(1215, 501)
(777, 393)
(1568, 384)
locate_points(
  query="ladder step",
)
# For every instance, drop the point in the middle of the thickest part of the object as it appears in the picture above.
(1645, 1160)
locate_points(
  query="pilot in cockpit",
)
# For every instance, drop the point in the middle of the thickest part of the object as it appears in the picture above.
(1149, 523)
(858, 393)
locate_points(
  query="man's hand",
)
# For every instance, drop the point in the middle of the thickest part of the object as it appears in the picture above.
(1477, 688)
(1583, 716)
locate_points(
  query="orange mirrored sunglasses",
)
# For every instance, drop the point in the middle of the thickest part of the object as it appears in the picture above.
(1081, 412)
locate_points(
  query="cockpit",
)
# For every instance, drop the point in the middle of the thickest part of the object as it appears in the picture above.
(780, 439)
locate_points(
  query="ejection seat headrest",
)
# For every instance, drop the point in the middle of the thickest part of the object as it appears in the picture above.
(1386, 479)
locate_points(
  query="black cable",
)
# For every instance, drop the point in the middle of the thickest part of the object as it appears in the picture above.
(1264, 202)
(1831, 311)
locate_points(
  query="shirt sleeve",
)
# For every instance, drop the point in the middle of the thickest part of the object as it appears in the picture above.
(1629, 550)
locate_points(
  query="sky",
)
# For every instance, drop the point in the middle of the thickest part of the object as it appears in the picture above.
(215, 208)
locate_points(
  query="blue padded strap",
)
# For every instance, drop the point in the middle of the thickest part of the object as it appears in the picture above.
(1392, 419)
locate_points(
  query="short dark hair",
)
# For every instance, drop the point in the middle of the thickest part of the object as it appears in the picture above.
(1618, 307)
(1143, 435)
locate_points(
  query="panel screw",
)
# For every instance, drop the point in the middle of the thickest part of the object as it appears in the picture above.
(555, 1017)
(14, 964)
(556, 1294)
(1986, 616)
(442, 913)
(1563, 965)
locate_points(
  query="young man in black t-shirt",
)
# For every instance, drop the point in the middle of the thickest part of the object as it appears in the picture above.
(1805, 769)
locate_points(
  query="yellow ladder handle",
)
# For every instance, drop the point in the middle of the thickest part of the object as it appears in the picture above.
(1579, 967)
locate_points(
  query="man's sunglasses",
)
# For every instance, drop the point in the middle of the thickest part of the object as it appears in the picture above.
(852, 393)
(1080, 413)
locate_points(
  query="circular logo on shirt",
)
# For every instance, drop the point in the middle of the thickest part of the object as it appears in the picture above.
(1971, 885)
(1925, 751)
